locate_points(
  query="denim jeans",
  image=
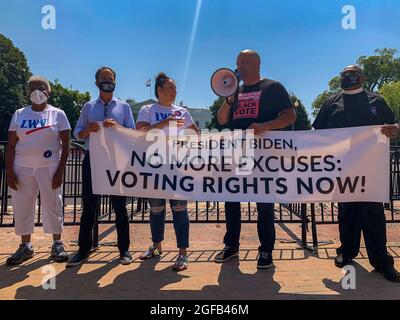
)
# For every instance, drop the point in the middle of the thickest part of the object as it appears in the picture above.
(180, 219)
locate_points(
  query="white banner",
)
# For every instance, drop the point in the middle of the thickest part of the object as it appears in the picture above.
(335, 165)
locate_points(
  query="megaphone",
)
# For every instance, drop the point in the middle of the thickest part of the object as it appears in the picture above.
(225, 82)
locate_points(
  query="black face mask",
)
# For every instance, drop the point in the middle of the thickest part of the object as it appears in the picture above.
(350, 80)
(107, 86)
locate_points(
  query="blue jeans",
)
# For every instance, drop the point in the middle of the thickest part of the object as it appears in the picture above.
(180, 218)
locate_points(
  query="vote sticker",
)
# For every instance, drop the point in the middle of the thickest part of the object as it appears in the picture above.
(47, 154)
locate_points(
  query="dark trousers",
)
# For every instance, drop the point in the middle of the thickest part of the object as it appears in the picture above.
(91, 203)
(368, 217)
(265, 225)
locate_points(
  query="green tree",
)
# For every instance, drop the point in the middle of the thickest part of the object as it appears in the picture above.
(391, 93)
(334, 87)
(379, 69)
(214, 109)
(130, 101)
(69, 100)
(302, 122)
(14, 75)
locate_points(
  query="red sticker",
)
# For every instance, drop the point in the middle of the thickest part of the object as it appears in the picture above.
(249, 105)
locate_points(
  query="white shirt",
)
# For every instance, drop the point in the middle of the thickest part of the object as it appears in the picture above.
(38, 143)
(154, 113)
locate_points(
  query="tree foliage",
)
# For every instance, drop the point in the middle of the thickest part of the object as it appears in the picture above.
(391, 93)
(14, 75)
(302, 122)
(69, 100)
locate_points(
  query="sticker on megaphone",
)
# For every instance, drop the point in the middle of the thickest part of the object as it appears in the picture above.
(225, 82)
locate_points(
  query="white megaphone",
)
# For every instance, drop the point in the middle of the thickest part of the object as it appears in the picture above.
(225, 82)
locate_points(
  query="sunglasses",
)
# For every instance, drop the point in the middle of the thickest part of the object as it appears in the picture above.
(350, 73)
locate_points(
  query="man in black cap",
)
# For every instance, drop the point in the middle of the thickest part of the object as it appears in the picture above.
(355, 107)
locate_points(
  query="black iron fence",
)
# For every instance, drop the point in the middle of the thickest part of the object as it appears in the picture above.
(200, 212)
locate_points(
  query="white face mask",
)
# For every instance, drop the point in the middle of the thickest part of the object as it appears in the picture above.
(38, 97)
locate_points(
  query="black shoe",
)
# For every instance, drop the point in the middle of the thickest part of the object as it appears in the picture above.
(340, 262)
(22, 254)
(265, 260)
(226, 254)
(389, 273)
(58, 252)
(77, 259)
(125, 258)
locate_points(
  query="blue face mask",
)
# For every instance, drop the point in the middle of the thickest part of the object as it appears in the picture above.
(107, 86)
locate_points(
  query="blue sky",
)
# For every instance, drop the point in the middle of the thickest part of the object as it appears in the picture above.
(302, 43)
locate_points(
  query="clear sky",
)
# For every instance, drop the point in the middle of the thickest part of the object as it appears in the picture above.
(302, 43)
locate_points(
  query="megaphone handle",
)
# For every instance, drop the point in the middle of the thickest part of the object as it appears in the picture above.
(235, 101)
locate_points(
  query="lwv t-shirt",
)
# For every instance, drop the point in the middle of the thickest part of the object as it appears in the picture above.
(38, 143)
(155, 113)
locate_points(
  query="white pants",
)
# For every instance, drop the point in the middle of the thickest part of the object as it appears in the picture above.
(30, 181)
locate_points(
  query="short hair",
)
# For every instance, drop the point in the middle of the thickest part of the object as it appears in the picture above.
(41, 80)
(99, 70)
(160, 80)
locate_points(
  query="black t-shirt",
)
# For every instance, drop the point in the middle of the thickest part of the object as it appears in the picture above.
(259, 103)
(354, 110)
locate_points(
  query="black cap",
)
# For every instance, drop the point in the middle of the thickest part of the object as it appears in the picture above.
(354, 66)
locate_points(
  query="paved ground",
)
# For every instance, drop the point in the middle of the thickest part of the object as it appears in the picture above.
(299, 274)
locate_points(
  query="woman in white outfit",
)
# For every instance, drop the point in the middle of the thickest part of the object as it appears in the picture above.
(36, 155)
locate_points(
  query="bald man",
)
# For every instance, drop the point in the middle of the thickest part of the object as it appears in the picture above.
(355, 107)
(270, 109)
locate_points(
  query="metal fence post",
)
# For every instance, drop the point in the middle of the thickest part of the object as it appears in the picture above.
(304, 224)
(314, 228)
(95, 230)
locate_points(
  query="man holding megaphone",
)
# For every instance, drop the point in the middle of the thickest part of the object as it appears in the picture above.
(262, 105)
